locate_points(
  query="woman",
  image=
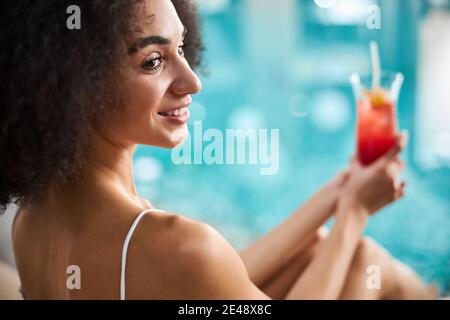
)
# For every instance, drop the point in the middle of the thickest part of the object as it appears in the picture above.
(76, 105)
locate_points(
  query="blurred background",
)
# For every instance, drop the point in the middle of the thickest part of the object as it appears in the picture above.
(285, 65)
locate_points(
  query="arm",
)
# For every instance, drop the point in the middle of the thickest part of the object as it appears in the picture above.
(325, 276)
(367, 190)
(288, 238)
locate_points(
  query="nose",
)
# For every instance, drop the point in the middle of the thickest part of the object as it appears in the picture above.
(186, 81)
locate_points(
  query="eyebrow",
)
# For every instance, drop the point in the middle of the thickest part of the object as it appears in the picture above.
(151, 40)
(147, 41)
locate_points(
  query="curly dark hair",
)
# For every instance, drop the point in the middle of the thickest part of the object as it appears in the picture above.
(56, 82)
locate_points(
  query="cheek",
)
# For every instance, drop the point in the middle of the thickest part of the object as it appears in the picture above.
(141, 101)
(144, 97)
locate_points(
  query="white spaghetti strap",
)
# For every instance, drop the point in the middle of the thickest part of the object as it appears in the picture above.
(125, 249)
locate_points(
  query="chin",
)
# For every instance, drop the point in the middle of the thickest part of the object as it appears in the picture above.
(175, 138)
(173, 144)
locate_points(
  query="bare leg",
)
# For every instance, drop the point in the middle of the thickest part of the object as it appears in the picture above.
(356, 287)
(397, 280)
(279, 285)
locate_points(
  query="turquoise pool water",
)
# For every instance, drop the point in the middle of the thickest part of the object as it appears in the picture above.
(290, 71)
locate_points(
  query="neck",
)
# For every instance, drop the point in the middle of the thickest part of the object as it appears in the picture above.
(111, 163)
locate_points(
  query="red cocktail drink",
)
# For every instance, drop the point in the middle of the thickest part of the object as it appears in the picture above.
(376, 125)
(376, 99)
(376, 128)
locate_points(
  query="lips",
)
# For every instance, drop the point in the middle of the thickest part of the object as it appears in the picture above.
(178, 115)
(175, 112)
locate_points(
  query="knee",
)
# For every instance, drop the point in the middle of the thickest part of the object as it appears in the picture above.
(307, 251)
(369, 253)
(365, 254)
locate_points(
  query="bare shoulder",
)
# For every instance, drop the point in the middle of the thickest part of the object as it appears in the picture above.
(186, 259)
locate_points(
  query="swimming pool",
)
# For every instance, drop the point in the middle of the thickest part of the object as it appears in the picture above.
(290, 72)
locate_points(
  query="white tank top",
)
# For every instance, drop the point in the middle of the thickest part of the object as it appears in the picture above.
(125, 249)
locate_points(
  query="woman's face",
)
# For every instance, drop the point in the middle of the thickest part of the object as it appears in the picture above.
(159, 82)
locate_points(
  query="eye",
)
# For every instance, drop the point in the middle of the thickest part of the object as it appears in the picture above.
(153, 63)
(181, 50)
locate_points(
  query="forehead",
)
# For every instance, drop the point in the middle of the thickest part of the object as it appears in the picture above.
(158, 17)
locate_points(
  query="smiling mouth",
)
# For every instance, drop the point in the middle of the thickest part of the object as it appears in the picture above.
(176, 117)
(175, 113)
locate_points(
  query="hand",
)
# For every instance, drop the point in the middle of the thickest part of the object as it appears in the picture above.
(371, 188)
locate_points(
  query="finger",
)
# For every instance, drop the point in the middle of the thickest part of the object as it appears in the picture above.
(395, 168)
(400, 194)
(399, 145)
(400, 191)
